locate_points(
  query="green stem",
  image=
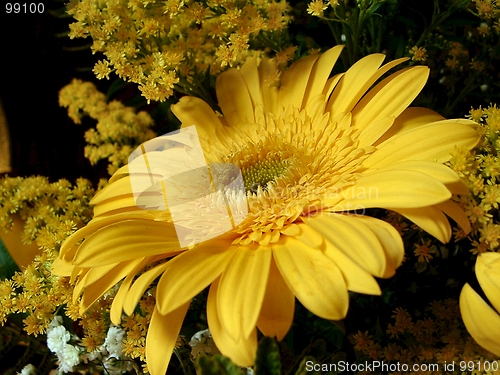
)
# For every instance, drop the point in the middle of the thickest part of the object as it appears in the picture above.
(471, 85)
(357, 21)
(338, 39)
(437, 18)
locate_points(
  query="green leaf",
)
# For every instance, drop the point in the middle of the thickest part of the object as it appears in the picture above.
(306, 368)
(375, 7)
(216, 365)
(268, 360)
(8, 266)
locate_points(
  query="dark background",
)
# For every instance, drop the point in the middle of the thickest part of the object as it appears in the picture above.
(36, 61)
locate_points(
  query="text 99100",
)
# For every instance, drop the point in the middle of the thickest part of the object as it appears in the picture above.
(24, 8)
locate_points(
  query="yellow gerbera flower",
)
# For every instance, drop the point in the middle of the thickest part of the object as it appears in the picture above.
(315, 152)
(480, 319)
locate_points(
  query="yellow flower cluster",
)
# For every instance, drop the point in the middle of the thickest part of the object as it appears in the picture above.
(136, 328)
(34, 291)
(160, 44)
(424, 251)
(51, 212)
(488, 10)
(119, 129)
(480, 170)
(459, 57)
(318, 7)
(418, 53)
(94, 323)
(439, 336)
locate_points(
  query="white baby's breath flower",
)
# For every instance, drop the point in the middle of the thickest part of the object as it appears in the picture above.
(28, 370)
(68, 358)
(113, 342)
(57, 337)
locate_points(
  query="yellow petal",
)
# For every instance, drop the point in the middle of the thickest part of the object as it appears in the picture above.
(357, 279)
(118, 188)
(114, 206)
(234, 98)
(320, 73)
(119, 299)
(354, 238)
(250, 74)
(390, 97)
(409, 119)
(292, 230)
(268, 73)
(481, 321)
(69, 252)
(115, 313)
(309, 236)
(315, 280)
(61, 267)
(121, 172)
(78, 273)
(393, 189)
(331, 84)
(69, 245)
(353, 85)
(374, 131)
(315, 108)
(438, 171)
(454, 211)
(276, 314)
(161, 339)
(488, 275)
(241, 352)
(126, 240)
(97, 223)
(191, 272)
(430, 219)
(391, 242)
(194, 111)
(295, 80)
(93, 275)
(432, 142)
(97, 289)
(140, 285)
(241, 291)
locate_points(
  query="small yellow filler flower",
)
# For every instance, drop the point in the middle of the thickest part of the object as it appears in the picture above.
(482, 320)
(315, 152)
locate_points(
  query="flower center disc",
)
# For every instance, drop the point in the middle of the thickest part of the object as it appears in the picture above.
(262, 172)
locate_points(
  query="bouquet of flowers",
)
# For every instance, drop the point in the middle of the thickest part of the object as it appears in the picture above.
(325, 199)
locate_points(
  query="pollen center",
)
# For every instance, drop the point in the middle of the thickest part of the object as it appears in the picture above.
(261, 172)
(265, 162)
